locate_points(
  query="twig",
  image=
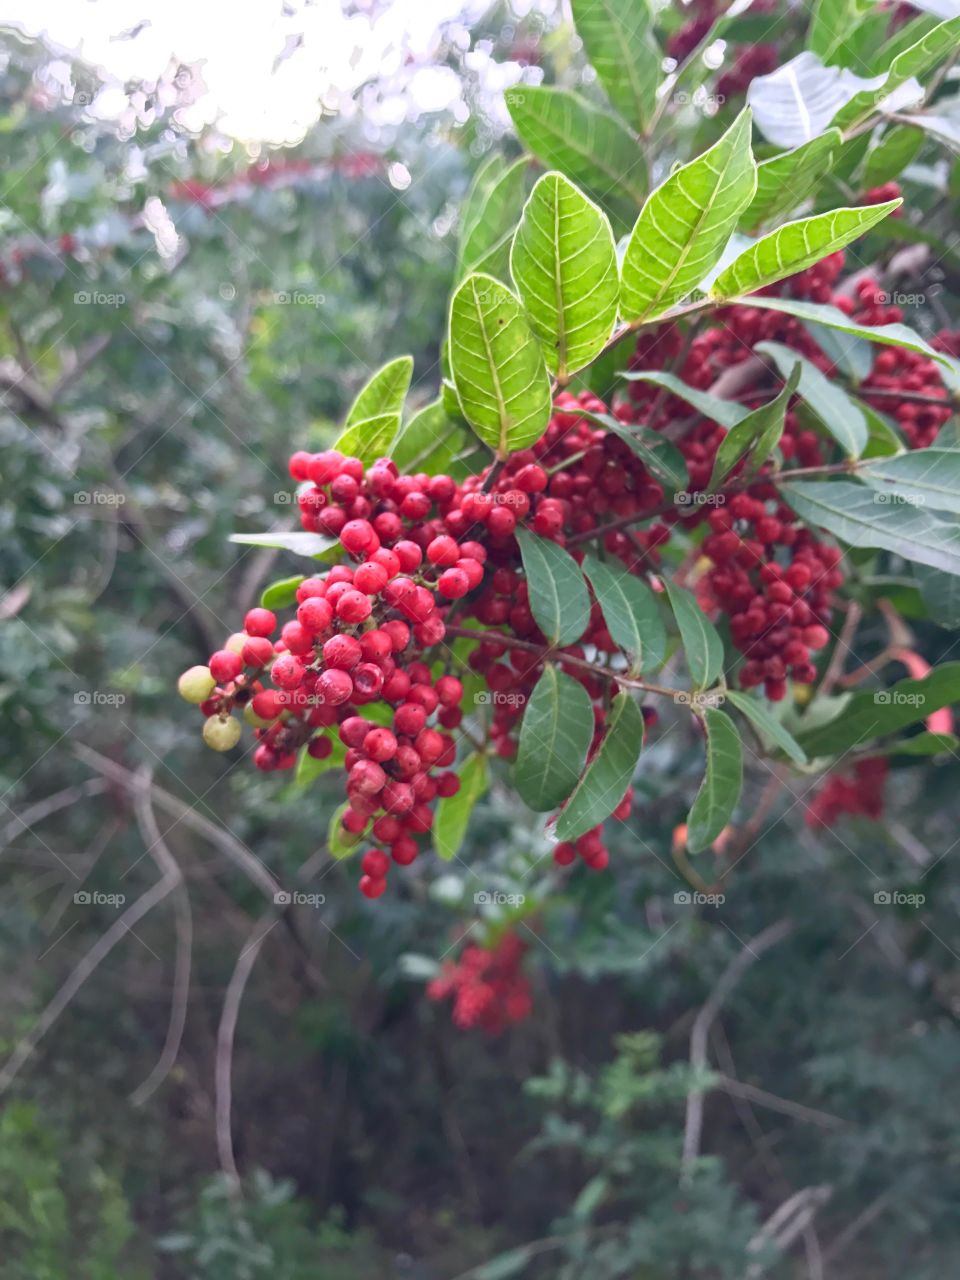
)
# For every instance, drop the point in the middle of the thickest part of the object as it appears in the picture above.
(734, 971)
(791, 1220)
(51, 804)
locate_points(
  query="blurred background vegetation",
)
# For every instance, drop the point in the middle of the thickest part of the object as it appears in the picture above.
(178, 311)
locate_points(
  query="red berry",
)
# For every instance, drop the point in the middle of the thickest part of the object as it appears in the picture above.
(372, 887)
(375, 864)
(443, 551)
(260, 622)
(225, 665)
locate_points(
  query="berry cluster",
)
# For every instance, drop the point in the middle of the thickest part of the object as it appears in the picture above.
(855, 791)
(487, 986)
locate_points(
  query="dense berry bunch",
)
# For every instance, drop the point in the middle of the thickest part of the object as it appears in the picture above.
(851, 791)
(487, 986)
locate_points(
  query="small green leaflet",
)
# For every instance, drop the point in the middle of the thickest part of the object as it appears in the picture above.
(295, 540)
(756, 435)
(874, 713)
(769, 728)
(384, 393)
(370, 438)
(795, 246)
(559, 599)
(497, 366)
(554, 737)
(889, 335)
(720, 789)
(618, 41)
(453, 812)
(912, 62)
(608, 774)
(924, 477)
(892, 154)
(785, 181)
(630, 611)
(280, 594)
(592, 147)
(724, 412)
(683, 227)
(489, 220)
(852, 513)
(659, 455)
(702, 645)
(839, 413)
(564, 264)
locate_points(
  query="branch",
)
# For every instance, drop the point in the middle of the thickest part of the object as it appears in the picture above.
(734, 971)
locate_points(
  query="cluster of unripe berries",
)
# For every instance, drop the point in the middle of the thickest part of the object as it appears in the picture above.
(486, 985)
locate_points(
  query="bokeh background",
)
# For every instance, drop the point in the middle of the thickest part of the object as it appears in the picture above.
(215, 222)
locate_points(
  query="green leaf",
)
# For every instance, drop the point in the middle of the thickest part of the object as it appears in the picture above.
(295, 540)
(769, 728)
(621, 47)
(829, 23)
(924, 477)
(608, 774)
(874, 713)
(756, 435)
(591, 147)
(884, 439)
(852, 513)
(564, 264)
(923, 744)
(281, 594)
(431, 441)
(888, 335)
(384, 393)
(892, 154)
(630, 611)
(340, 843)
(724, 412)
(839, 413)
(489, 221)
(852, 356)
(659, 455)
(559, 600)
(555, 734)
(785, 181)
(453, 812)
(370, 438)
(941, 595)
(308, 768)
(796, 246)
(701, 642)
(683, 227)
(497, 366)
(912, 62)
(720, 789)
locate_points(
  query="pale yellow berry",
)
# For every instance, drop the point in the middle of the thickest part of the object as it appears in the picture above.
(236, 642)
(196, 685)
(221, 734)
(251, 717)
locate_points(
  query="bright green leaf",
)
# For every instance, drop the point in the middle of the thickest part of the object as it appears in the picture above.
(341, 843)
(555, 734)
(384, 393)
(559, 600)
(769, 728)
(431, 441)
(785, 181)
(720, 789)
(497, 365)
(839, 413)
(756, 435)
(618, 41)
(453, 812)
(281, 594)
(702, 646)
(608, 774)
(489, 221)
(912, 62)
(564, 264)
(309, 768)
(370, 438)
(630, 611)
(296, 540)
(683, 227)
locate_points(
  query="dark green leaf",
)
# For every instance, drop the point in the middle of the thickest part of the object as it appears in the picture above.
(890, 335)
(756, 435)
(838, 412)
(875, 713)
(659, 455)
(702, 646)
(554, 737)
(769, 728)
(724, 412)
(923, 477)
(941, 595)
(720, 789)
(630, 611)
(608, 774)
(559, 600)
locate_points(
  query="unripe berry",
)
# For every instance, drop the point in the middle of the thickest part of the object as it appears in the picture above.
(225, 666)
(196, 685)
(260, 622)
(221, 733)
